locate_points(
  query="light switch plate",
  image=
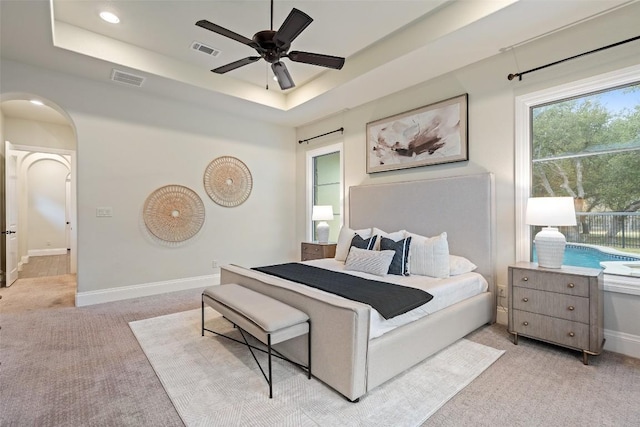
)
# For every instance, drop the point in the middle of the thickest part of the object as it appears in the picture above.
(104, 211)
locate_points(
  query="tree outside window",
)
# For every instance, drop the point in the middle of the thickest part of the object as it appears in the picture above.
(589, 148)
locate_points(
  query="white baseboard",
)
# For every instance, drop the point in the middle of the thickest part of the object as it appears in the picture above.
(46, 252)
(623, 343)
(144, 290)
(502, 317)
(23, 260)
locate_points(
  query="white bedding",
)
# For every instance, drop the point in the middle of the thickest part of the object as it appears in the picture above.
(445, 292)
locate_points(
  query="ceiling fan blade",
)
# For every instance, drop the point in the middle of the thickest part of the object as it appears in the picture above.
(237, 64)
(227, 33)
(328, 61)
(292, 27)
(282, 74)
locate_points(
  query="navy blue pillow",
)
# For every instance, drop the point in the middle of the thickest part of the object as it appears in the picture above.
(400, 262)
(361, 243)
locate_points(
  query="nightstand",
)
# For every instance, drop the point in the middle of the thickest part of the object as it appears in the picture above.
(315, 250)
(562, 306)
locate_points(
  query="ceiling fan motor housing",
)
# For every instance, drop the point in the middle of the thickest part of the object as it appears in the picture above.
(270, 51)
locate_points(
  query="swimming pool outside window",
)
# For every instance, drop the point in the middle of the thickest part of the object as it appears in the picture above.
(588, 147)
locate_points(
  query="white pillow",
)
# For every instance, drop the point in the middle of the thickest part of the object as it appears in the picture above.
(460, 265)
(396, 236)
(429, 256)
(372, 262)
(344, 241)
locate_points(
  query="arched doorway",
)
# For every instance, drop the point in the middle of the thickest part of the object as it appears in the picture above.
(41, 145)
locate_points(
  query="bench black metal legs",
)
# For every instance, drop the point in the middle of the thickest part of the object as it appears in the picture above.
(270, 351)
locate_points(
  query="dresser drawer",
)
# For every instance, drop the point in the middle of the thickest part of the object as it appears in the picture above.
(311, 251)
(553, 282)
(559, 331)
(567, 307)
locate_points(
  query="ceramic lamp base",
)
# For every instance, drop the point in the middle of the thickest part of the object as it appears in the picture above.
(322, 232)
(550, 245)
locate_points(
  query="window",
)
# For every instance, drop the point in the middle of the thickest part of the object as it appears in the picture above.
(324, 172)
(583, 140)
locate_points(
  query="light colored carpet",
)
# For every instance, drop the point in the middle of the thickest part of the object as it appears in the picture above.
(40, 292)
(214, 381)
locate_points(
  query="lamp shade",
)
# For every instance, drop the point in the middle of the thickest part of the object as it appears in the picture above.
(322, 213)
(551, 211)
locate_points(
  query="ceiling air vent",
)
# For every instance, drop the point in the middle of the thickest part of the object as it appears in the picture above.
(126, 78)
(205, 49)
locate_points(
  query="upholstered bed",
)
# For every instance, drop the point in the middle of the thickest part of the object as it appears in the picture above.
(344, 355)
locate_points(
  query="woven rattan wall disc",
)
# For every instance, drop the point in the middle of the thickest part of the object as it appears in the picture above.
(174, 213)
(228, 181)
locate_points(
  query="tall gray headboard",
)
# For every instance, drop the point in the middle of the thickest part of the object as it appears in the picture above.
(463, 206)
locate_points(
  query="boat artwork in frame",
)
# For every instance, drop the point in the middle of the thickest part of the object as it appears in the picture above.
(429, 135)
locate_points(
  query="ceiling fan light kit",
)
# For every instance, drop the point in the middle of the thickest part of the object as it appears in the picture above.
(272, 46)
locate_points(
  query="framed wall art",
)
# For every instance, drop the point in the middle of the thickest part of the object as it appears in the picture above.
(429, 135)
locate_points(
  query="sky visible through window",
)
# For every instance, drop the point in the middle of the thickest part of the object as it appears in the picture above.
(616, 101)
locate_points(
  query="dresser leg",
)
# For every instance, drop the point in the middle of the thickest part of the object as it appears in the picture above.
(585, 358)
(515, 338)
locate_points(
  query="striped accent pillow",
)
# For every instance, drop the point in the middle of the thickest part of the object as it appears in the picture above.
(400, 263)
(361, 243)
(372, 262)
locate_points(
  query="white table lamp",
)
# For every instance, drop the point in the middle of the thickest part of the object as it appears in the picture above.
(322, 214)
(550, 212)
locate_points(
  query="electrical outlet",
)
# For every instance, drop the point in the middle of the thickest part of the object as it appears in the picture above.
(214, 263)
(502, 291)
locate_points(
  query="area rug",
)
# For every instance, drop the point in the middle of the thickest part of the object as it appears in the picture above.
(215, 382)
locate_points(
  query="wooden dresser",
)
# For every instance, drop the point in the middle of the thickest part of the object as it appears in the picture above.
(562, 306)
(315, 250)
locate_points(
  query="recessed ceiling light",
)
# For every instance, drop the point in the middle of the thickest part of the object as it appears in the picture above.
(109, 17)
(36, 102)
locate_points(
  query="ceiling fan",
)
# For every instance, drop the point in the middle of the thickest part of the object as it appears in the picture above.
(272, 46)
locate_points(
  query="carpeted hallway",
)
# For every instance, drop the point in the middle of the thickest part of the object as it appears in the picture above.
(67, 366)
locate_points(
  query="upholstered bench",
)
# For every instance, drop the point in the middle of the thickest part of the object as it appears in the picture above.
(266, 319)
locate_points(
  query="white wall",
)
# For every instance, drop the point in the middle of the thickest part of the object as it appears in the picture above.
(46, 205)
(491, 123)
(130, 144)
(40, 134)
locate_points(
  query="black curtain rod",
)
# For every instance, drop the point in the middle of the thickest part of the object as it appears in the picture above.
(314, 137)
(519, 75)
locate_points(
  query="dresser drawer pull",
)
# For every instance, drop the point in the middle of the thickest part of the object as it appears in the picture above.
(525, 323)
(571, 308)
(571, 334)
(525, 299)
(571, 285)
(525, 279)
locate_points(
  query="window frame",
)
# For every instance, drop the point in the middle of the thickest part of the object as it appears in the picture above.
(311, 155)
(523, 106)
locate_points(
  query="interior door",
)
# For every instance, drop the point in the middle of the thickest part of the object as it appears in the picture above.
(11, 204)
